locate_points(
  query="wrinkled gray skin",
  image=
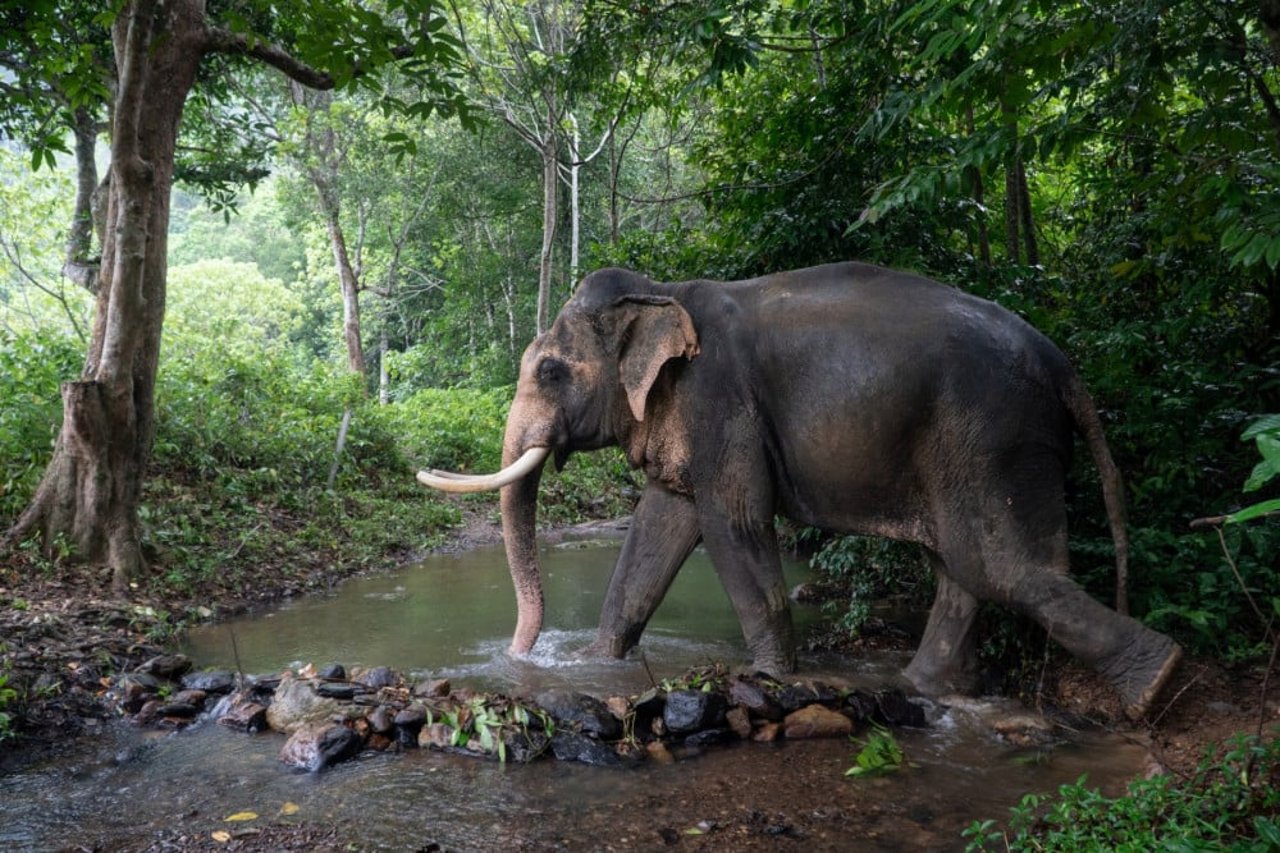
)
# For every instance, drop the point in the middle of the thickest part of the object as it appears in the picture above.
(847, 397)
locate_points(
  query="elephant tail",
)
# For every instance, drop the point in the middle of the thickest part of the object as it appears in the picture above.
(1085, 415)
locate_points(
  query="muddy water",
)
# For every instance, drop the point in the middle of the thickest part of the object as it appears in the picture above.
(450, 616)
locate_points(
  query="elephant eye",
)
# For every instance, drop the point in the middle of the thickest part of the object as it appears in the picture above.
(552, 370)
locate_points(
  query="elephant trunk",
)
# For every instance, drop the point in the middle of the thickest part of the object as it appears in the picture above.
(519, 502)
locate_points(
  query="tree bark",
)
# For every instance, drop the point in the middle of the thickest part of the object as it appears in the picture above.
(550, 194)
(90, 493)
(1012, 216)
(78, 266)
(1026, 217)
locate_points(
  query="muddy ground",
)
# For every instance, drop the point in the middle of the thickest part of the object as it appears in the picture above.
(61, 642)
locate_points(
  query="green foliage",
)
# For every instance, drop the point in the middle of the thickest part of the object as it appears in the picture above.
(869, 569)
(1229, 804)
(31, 367)
(455, 430)
(880, 754)
(8, 698)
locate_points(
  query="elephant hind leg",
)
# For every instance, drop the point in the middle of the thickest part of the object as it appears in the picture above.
(946, 660)
(1028, 573)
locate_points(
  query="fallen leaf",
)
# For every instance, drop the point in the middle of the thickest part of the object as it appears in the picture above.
(242, 816)
(289, 808)
(221, 836)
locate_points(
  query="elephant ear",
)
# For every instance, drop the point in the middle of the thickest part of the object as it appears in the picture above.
(655, 329)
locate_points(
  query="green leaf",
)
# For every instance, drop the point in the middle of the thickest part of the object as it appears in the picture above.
(1256, 511)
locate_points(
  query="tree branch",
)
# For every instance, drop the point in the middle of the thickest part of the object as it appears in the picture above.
(221, 40)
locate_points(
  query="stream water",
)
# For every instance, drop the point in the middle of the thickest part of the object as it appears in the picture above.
(451, 616)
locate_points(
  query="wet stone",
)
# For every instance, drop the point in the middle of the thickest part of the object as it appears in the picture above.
(317, 746)
(333, 672)
(336, 690)
(408, 724)
(213, 681)
(148, 713)
(860, 706)
(816, 721)
(169, 667)
(135, 690)
(894, 709)
(379, 676)
(190, 697)
(753, 697)
(793, 697)
(436, 735)
(525, 746)
(739, 721)
(692, 710)
(245, 715)
(767, 733)
(588, 713)
(381, 720)
(183, 710)
(648, 707)
(433, 688)
(709, 737)
(573, 746)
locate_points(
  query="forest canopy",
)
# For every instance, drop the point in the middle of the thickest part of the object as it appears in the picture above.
(373, 213)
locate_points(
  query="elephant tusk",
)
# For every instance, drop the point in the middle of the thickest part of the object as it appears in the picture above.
(447, 481)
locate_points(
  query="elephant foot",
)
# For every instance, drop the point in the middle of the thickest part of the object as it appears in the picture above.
(604, 647)
(929, 677)
(1141, 674)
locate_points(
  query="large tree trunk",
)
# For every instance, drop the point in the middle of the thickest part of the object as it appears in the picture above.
(550, 193)
(90, 493)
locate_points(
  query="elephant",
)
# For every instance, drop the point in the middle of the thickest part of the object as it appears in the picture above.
(848, 397)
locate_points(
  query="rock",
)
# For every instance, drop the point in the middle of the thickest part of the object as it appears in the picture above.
(816, 721)
(245, 715)
(689, 711)
(894, 709)
(575, 746)
(169, 667)
(381, 720)
(434, 688)
(826, 694)
(587, 713)
(212, 681)
(135, 689)
(379, 743)
(195, 698)
(659, 753)
(296, 705)
(648, 707)
(793, 697)
(1024, 729)
(181, 710)
(618, 706)
(525, 746)
(316, 746)
(739, 721)
(709, 737)
(341, 690)
(408, 723)
(379, 676)
(436, 735)
(148, 713)
(755, 699)
(861, 707)
(767, 733)
(333, 672)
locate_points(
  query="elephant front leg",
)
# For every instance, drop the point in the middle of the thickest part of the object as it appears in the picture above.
(750, 569)
(947, 659)
(663, 532)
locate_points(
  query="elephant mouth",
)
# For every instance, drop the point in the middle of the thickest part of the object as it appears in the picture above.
(448, 481)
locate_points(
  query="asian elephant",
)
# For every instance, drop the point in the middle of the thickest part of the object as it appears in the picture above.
(848, 397)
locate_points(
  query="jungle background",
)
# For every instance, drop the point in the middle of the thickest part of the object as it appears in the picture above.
(369, 257)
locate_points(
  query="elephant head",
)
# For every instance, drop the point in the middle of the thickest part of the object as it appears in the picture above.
(584, 384)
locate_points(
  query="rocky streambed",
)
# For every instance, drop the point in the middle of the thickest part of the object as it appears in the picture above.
(330, 715)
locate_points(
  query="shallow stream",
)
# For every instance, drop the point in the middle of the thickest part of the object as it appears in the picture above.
(451, 616)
